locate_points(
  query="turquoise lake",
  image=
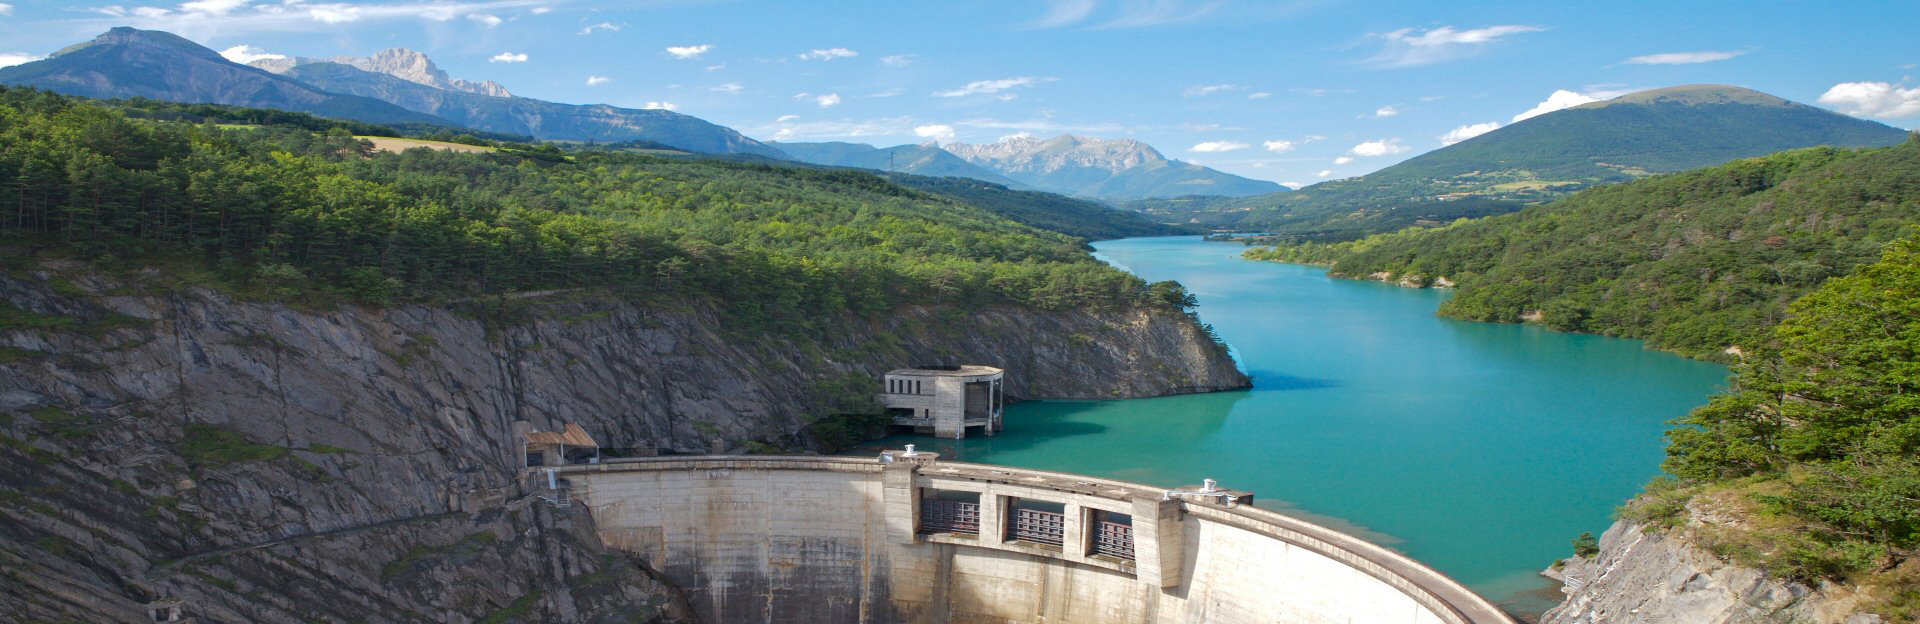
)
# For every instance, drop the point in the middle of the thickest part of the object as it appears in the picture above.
(1480, 449)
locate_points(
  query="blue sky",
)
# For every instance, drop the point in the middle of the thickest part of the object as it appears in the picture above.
(1295, 91)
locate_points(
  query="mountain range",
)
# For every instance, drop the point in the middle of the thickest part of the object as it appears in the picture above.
(1115, 169)
(1544, 157)
(395, 86)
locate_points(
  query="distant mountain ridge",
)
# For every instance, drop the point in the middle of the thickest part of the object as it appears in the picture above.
(1545, 157)
(402, 63)
(536, 118)
(925, 159)
(1107, 168)
(393, 86)
(125, 63)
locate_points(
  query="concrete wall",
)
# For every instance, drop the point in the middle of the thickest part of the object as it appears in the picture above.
(806, 539)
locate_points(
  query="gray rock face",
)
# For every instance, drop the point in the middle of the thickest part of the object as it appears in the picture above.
(264, 463)
(402, 63)
(1642, 577)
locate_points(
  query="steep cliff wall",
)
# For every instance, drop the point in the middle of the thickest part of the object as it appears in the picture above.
(1652, 577)
(267, 463)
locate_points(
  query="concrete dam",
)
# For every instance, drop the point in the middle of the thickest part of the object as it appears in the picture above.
(906, 537)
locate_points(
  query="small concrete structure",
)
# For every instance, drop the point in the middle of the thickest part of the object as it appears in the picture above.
(568, 446)
(907, 537)
(945, 400)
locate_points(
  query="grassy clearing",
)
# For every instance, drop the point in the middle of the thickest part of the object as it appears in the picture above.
(390, 144)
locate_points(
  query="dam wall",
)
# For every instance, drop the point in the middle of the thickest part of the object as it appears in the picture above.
(904, 538)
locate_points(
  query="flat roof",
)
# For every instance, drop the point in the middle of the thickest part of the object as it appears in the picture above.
(953, 371)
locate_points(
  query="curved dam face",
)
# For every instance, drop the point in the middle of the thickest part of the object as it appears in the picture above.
(904, 538)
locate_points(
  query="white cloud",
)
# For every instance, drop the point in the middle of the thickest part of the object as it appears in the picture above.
(665, 106)
(827, 100)
(1313, 137)
(1064, 12)
(1324, 173)
(1292, 185)
(6, 9)
(978, 87)
(786, 118)
(1208, 147)
(541, 10)
(1206, 90)
(1132, 14)
(508, 57)
(1685, 58)
(1468, 131)
(215, 7)
(486, 18)
(1385, 111)
(1343, 160)
(244, 54)
(595, 81)
(1278, 146)
(731, 87)
(1560, 99)
(887, 93)
(689, 52)
(606, 26)
(1407, 48)
(934, 131)
(898, 60)
(1873, 99)
(827, 54)
(1380, 147)
(10, 59)
(1259, 95)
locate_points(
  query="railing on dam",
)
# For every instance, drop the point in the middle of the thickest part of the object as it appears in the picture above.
(1126, 528)
(945, 516)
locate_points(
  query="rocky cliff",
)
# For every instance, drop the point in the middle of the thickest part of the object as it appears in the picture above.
(1653, 577)
(258, 462)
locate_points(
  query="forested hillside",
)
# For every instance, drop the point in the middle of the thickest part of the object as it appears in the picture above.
(1693, 262)
(1812, 453)
(1048, 211)
(289, 213)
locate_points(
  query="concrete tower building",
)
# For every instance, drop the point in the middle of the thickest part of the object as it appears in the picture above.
(945, 400)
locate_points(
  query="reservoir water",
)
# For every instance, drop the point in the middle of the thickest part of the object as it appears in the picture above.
(1479, 449)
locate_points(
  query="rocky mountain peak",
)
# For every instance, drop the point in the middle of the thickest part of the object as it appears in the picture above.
(406, 64)
(1027, 153)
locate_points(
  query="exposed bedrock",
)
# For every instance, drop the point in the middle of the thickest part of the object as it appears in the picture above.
(260, 462)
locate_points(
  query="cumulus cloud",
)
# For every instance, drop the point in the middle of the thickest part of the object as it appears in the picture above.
(1206, 90)
(934, 131)
(1343, 160)
(606, 26)
(1278, 146)
(485, 18)
(731, 87)
(1560, 99)
(1385, 111)
(244, 54)
(898, 60)
(827, 54)
(508, 57)
(1208, 147)
(1324, 173)
(665, 106)
(689, 52)
(541, 10)
(979, 87)
(826, 100)
(1468, 131)
(1685, 58)
(1873, 99)
(1380, 147)
(1292, 185)
(215, 7)
(595, 81)
(6, 9)
(10, 59)
(1408, 47)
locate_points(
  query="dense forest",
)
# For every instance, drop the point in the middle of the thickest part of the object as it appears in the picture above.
(1694, 262)
(1048, 211)
(287, 212)
(1816, 443)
